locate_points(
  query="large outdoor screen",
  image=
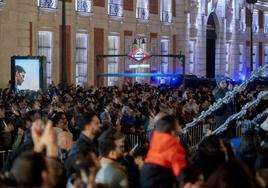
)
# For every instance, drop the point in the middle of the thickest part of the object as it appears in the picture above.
(26, 73)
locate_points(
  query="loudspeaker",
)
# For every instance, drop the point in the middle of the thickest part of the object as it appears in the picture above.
(251, 1)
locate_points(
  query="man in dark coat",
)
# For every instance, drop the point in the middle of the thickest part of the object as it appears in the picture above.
(224, 112)
(89, 124)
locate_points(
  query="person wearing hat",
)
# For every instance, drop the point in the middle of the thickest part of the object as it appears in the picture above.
(226, 110)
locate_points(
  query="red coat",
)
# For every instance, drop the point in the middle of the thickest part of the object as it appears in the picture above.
(166, 151)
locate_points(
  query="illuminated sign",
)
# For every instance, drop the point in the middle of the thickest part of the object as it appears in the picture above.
(139, 66)
(139, 55)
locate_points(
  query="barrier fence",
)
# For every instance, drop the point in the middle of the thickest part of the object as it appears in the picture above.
(226, 99)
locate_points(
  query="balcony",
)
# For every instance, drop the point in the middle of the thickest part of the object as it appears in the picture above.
(84, 7)
(47, 4)
(115, 10)
(166, 16)
(142, 13)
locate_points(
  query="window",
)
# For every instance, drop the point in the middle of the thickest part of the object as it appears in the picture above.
(241, 61)
(45, 49)
(243, 20)
(255, 21)
(51, 4)
(83, 6)
(113, 49)
(164, 50)
(254, 57)
(265, 54)
(191, 56)
(166, 13)
(227, 58)
(266, 23)
(142, 10)
(115, 8)
(265, 58)
(81, 59)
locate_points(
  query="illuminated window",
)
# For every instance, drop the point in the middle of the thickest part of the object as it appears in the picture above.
(83, 6)
(266, 54)
(81, 59)
(50, 4)
(266, 23)
(142, 9)
(115, 8)
(241, 57)
(166, 11)
(113, 49)
(191, 56)
(243, 20)
(255, 21)
(164, 50)
(227, 58)
(254, 57)
(45, 49)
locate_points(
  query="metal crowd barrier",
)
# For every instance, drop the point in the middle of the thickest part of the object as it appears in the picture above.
(140, 138)
(226, 99)
(196, 133)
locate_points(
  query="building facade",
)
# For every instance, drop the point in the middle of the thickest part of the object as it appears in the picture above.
(213, 34)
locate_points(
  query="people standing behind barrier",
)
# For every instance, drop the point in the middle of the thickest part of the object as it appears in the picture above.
(224, 112)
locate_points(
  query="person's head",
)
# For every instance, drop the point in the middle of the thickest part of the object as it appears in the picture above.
(250, 144)
(19, 75)
(250, 148)
(159, 116)
(231, 174)
(209, 155)
(2, 111)
(220, 81)
(30, 170)
(191, 178)
(111, 144)
(89, 123)
(59, 120)
(139, 156)
(166, 124)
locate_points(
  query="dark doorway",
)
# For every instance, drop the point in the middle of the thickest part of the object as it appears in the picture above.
(211, 47)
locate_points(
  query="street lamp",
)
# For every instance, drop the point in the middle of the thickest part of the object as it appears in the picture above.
(251, 8)
(63, 44)
(139, 42)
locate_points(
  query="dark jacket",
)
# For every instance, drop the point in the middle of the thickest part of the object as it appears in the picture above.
(82, 146)
(153, 176)
(224, 112)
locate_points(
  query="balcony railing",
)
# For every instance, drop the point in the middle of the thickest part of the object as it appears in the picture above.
(265, 29)
(242, 26)
(49, 4)
(115, 9)
(166, 16)
(142, 13)
(84, 6)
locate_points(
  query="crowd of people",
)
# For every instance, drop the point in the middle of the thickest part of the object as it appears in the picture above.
(69, 136)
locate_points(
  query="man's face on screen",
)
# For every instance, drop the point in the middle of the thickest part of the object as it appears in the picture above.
(20, 77)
